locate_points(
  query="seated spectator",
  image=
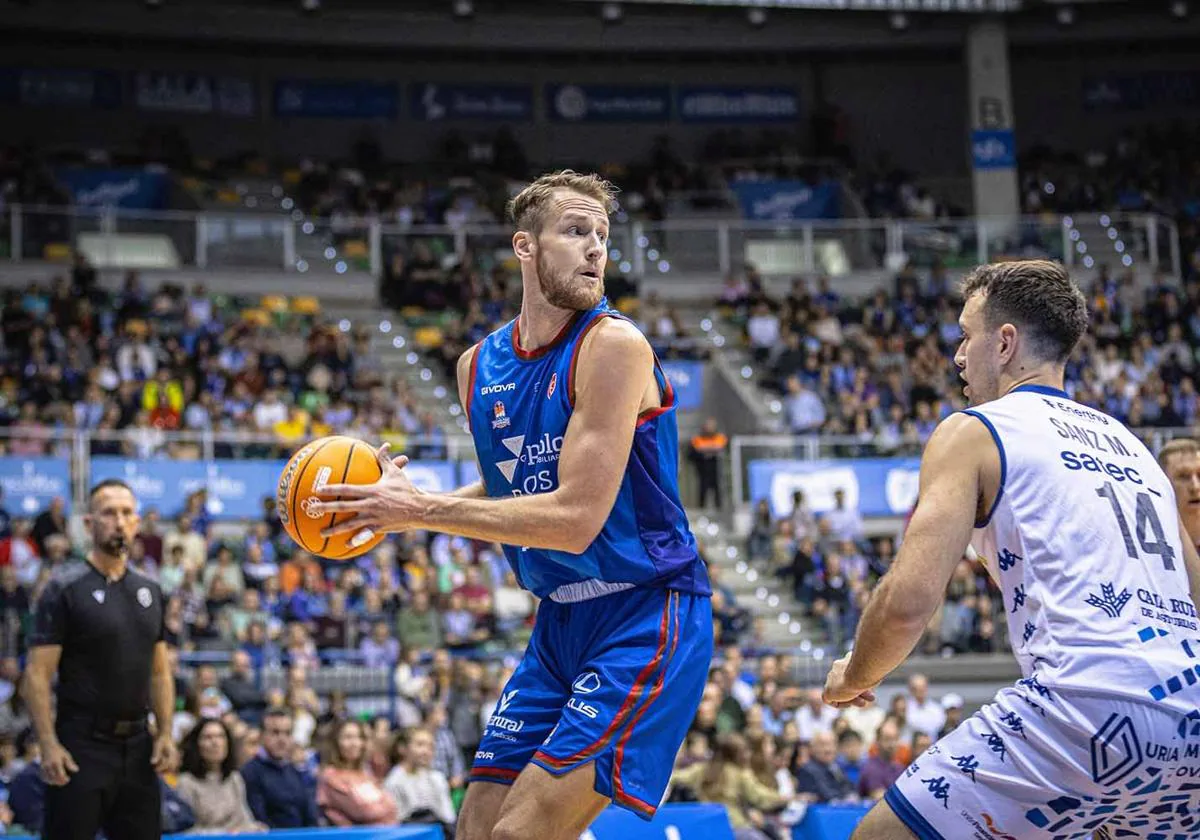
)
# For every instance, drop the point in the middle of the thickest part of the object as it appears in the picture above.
(210, 783)
(346, 793)
(850, 754)
(822, 778)
(880, 770)
(422, 793)
(379, 650)
(242, 689)
(276, 791)
(460, 627)
(726, 779)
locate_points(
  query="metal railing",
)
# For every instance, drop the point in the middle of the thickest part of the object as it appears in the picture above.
(745, 449)
(296, 243)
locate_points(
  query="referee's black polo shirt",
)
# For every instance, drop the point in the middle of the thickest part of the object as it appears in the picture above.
(107, 631)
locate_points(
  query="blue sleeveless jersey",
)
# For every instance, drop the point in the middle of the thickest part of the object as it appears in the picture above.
(519, 404)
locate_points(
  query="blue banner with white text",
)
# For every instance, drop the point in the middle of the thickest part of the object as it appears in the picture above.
(433, 102)
(781, 200)
(338, 99)
(875, 486)
(993, 149)
(236, 488)
(687, 378)
(30, 484)
(134, 189)
(59, 88)
(194, 93)
(737, 105)
(608, 103)
(1142, 92)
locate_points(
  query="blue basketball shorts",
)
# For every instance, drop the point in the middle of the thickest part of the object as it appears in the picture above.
(614, 680)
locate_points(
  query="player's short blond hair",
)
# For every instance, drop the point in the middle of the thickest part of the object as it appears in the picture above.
(528, 209)
(1179, 446)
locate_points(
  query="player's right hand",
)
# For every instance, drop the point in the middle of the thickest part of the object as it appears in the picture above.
(57, 765)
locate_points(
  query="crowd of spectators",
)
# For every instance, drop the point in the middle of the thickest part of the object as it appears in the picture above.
(766, 747)
(133, 366)
(878, 372)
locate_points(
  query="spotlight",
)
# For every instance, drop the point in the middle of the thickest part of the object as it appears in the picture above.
(898, 21)
(611, 12)
(310, 5)
(756, 16)
(1179, 9)
(1065, 15)
(463, 8)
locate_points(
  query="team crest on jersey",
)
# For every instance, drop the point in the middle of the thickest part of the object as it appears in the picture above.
(553, 384)
(501, 420)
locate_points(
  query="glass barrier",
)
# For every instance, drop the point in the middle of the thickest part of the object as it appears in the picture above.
(640, 249)
(242, 240)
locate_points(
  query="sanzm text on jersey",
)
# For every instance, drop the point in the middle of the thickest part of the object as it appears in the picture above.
(519, 405)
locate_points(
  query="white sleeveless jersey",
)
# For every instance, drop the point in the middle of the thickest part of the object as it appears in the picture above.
(1084, 541)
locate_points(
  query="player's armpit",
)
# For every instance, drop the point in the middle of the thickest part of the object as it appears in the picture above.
(936, 539)
(614, 370)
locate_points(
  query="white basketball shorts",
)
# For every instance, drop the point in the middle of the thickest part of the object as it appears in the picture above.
(1052, 765)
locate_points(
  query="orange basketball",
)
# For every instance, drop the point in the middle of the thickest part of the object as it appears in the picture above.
(328, 460)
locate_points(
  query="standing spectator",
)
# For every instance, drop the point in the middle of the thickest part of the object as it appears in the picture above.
(422, 793)
(844, 523)
(51, 521)
(275, 789)
(805, 410)
(210, 783)
(706, 450)
(346, 793)
(763, 330)
(924, 713)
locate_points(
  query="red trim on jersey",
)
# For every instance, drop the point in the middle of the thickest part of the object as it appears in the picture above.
(494, 772)
(668, 398)
(530, 355)
(471, 380)
(618, 788)
(575, 356)
(627, 707)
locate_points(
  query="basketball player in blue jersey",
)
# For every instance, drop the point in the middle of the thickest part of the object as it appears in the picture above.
(1078, 525)
(574, 429)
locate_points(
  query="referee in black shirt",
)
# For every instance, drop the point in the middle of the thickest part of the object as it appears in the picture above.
(99, 627)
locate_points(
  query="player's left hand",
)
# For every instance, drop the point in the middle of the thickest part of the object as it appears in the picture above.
(839, 694)
(389, 505)
(162, 756)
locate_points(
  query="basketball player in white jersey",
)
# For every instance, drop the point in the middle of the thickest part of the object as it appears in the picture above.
(1078, 525)
(1180, 460)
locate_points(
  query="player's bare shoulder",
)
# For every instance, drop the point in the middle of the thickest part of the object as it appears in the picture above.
(614, 349)
(466, 364)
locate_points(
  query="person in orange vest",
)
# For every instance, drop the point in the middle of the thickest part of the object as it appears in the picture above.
(706, 449)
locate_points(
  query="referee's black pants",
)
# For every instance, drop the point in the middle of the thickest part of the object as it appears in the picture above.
(115, 788)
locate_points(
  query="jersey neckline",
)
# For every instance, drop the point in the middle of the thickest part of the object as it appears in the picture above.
(1042, 389)
(531, 355)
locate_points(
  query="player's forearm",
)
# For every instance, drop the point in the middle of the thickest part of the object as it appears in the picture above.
(162, 700)
(890, 627)
(547, 520)
(470, 491)
(37, 700)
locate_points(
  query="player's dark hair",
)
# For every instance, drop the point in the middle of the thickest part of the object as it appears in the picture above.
(1037, 296)
(105, 485)
(1179, 446)
(190, 760)
(527, 210)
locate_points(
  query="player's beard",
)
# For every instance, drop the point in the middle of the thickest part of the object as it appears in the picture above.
(560, 291)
